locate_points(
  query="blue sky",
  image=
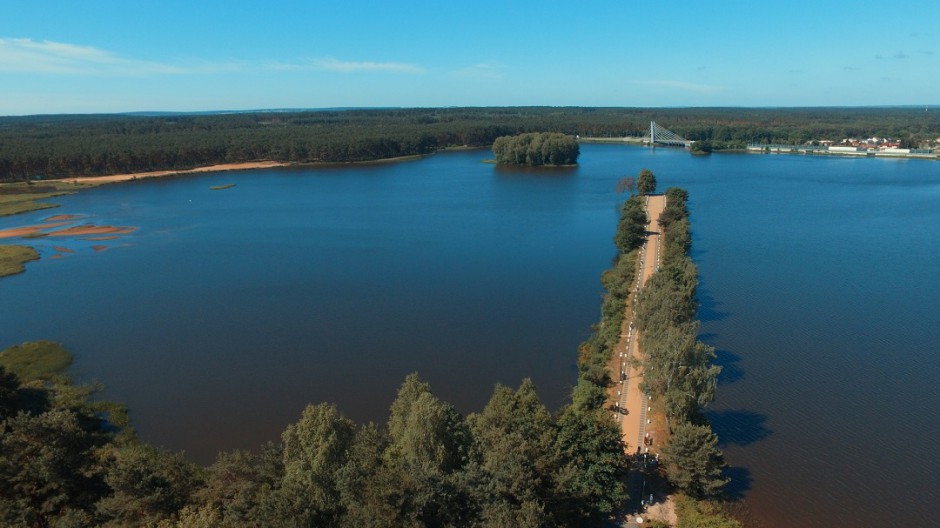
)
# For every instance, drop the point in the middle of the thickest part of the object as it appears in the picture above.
(137, 55)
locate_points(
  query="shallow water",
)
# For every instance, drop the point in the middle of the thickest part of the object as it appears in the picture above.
(227, 311)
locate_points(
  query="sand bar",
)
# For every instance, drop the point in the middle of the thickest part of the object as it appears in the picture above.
(92, 230)
(15, 232)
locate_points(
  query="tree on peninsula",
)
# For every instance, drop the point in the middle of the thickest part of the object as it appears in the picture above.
(646, 182)
(694, 462)
(536, 148)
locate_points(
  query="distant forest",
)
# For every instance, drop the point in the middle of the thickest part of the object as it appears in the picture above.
(57, 146)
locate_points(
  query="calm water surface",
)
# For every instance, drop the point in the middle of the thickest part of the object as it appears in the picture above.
(227, 311)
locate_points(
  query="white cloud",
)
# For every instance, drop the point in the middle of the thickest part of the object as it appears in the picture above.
(336, 65)
(23, 55)
(483, 70)
(680, 85)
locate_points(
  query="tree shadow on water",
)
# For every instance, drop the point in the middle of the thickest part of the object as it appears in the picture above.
(740, 484)
(709, 309)
(738, 427)
(730, 371)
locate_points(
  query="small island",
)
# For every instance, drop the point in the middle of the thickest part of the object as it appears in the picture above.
(536, 149)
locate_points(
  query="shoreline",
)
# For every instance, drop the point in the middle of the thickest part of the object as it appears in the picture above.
(132, 176)
(225, 167)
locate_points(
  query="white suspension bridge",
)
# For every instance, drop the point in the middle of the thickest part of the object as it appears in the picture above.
(658, 135)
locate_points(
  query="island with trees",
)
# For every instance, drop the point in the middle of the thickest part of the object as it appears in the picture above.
(536, 149)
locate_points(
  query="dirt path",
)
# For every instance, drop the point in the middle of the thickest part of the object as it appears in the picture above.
(632, 403)
(631, 400)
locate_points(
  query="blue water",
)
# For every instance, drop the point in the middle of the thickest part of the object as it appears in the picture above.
(227, 311)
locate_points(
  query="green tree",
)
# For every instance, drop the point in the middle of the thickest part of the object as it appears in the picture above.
(646, 182)
(693, 461)
(701, 147)
(368, 486)
(514, 456)
(631, 229)
(148, 485)
(430, 442)
(315, 450)
(9, 394)
(590, 482)
(48, 469)
(239, 483)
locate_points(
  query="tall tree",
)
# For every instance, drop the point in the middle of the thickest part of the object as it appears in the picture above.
(429, 443)
(631, 229)
(47, 468)
(590, 479)
(646, 182)
(514, 457)
(693, 461)
(315, 449)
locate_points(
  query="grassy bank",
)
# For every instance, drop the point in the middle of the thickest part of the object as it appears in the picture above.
(21, 197)
(13, 259)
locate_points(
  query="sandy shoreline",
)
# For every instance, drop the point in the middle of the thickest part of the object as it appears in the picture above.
(114, 178)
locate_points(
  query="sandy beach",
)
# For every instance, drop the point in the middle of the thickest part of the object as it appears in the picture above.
(114, 178)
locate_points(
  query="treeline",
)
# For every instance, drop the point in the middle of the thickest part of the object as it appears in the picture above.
(64, 146)
(68, 461)
(595, 353)
(536, 148)
(677, 368)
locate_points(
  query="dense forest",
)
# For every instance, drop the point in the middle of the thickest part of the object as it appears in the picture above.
(57, 146)
(536, 149)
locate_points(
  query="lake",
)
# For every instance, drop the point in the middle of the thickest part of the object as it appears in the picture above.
(225, 312)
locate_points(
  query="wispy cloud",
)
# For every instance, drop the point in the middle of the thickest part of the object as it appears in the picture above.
(900, 55)
(336, 65)
(23, 55)
(484, 71)
(850, 68)
(680, 85)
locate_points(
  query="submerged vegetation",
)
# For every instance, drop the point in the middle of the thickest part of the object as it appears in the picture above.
(43, 147)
